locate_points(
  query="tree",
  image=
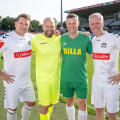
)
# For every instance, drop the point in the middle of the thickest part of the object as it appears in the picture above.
(34, 24)
(56, 22)
(8, 23)
(64, 24)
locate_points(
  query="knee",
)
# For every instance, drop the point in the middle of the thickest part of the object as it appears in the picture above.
(31, 104)
(44, 109)
(82, 104)
(100, 110)
(70, 101)
(11, 111)
(112, 116)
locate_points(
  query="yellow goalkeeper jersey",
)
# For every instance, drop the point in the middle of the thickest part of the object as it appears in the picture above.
(47, 57)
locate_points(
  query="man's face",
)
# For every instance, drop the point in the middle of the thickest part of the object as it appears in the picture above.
(22, 26)
(72, 25)
(96, 26)
(48, 28)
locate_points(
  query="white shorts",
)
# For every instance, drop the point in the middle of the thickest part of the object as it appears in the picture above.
(12, 93)
(108, 94)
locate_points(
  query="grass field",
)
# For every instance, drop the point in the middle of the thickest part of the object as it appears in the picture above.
(59, 112)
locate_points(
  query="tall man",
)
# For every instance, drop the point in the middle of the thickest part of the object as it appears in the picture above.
(106, 48)
(74, 78)
(47, 47)
(16, 47)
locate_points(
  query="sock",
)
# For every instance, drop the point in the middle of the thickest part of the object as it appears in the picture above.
(82, 115)
(71, 112)
(50, 111)
(11, 115)
(25, 112)
(44, 116)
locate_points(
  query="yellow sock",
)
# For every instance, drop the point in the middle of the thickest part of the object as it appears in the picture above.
(50, 111)
(44, 116)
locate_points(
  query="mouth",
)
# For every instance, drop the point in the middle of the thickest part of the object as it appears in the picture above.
(95, 30)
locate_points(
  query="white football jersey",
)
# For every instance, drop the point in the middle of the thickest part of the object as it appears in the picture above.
(105, 54)
(17, 56)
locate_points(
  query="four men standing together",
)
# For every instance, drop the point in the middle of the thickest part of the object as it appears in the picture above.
(73, 45)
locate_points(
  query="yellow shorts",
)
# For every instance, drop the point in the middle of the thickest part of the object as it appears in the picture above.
(48, 92)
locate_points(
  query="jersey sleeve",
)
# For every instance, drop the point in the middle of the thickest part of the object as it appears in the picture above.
(116, 39)
(89, 46)
(2, 44)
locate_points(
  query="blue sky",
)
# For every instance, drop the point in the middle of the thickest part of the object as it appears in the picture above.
(40, 9)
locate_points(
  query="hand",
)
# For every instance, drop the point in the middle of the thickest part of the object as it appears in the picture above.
(7, 78)
(114, 79)
(57, 32)
(86, 33)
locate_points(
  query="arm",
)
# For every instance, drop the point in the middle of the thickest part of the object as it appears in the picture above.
(57, 32)
(114, 79)
(86, 33)
(6, 77)
(91, 55)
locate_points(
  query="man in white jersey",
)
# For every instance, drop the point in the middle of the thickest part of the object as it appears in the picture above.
(106, 48)
(16, 47)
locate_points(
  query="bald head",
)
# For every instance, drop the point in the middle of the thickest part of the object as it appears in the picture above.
(48, 27)
(48, 19)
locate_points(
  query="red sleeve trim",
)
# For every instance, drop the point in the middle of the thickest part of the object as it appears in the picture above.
(1, 43)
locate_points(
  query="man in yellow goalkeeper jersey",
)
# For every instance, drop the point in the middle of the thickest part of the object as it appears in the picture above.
(47, 47)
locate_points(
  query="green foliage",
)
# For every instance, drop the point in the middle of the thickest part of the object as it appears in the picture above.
(34, 24)
(8, 23)
(0, 21)
(64, 24)
(83, 21)
(56, 22)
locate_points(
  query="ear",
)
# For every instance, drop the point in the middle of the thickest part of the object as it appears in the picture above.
(42, 27)
(15, 23)
(78, 23)
(103, 23)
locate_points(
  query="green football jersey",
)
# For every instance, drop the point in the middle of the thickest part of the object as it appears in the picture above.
(74, 57)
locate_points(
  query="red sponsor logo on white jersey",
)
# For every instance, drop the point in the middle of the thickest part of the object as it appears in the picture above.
(101, 56)
(1, 43)
(22, 54)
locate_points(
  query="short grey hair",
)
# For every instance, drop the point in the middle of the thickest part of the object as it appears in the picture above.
(98, 15)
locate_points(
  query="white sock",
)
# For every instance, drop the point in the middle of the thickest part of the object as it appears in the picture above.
(25, 112)
(11, 115)
(82, 115)
(71, 112)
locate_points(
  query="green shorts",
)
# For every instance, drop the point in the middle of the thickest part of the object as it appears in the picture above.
(69, 88)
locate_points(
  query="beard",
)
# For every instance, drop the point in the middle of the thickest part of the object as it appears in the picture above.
(49, 33)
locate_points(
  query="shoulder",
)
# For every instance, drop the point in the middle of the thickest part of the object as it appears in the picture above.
(7, 36)
(64, 35)
(30, 35)
(86, 37)
(112, 36)
(38, 36)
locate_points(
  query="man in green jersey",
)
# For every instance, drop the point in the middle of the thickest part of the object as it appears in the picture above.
(47, 47)
(74, 78)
